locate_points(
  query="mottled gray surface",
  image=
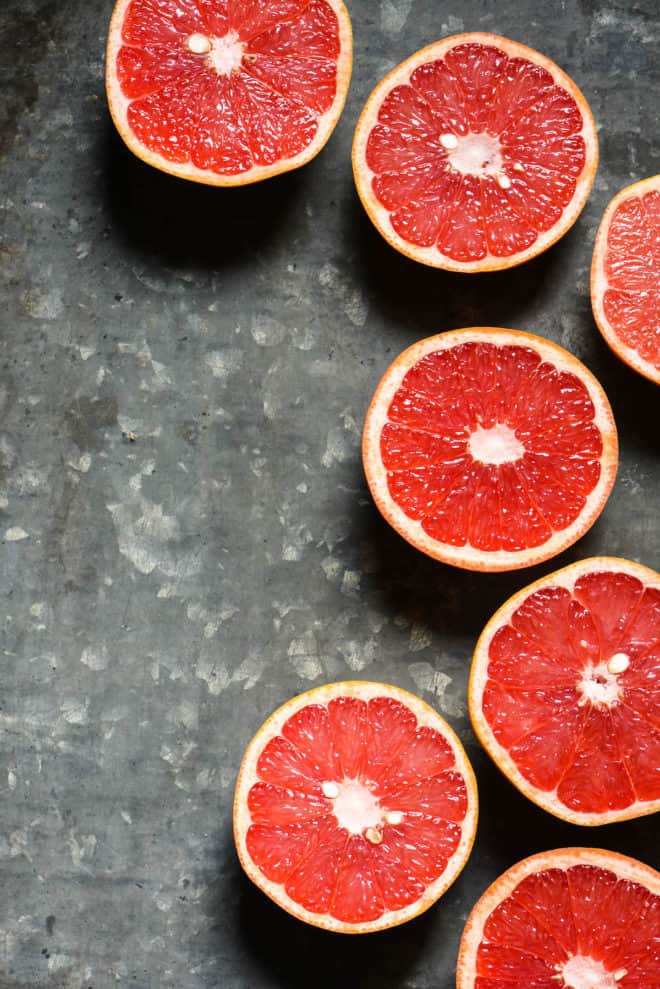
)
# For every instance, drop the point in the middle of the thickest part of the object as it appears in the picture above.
(161, 597)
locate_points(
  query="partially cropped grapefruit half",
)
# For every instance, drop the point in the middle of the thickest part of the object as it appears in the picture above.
(489, 449)
(355, 807)
(625, 277)
(564, 691)
(571, 918)
(227, 92)
(475, 154)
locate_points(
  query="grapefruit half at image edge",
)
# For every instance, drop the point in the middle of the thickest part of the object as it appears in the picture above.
(563, 691)
(227, 96)
(625, 277)
(571, 917)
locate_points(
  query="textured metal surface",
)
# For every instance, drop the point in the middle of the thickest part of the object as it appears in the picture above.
(160, 596)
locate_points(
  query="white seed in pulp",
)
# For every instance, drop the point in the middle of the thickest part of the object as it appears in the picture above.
(394, 817)
(619, 663)
(198, 44)
(374, 836)
(503, 180)
(330, 790)
(449, 141)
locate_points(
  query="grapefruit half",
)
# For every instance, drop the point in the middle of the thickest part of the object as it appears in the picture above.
(227, 92)
(476, 153)
(572, 918)
(355, 807)
(625, 277)
(564, 695)
(489, 449)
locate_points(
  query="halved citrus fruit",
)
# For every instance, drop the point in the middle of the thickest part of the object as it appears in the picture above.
(355, 807)
(625, 277)
(572, 918)
(227, 92)
(563, 691)
(476, 153)
(489, 449)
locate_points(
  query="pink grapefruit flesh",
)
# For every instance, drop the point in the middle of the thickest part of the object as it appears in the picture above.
(227, 92)
(355, 807)
(625, 277)
(476, 153)
(573, 918)
(489, 449)
(563, 691)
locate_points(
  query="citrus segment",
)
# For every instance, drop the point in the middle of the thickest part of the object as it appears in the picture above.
(355, 807)
(563, 691)
(476, 153)
(625, 287)
(489, 449)
(578, 918)
(227, 91)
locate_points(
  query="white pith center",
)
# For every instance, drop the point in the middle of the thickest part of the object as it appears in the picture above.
(223, 54)
(358, 810)
(582, 972)
(599, 686)
(474, 154)
(497, 445)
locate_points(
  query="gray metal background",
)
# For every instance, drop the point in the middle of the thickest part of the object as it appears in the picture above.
(170, 592)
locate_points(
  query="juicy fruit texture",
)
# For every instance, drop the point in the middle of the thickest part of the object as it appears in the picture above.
(625, 282)
(527, 484)
(487, 451)
(579, 918)
(227, 91)
(356, 811)
(475, 153)
(563, 691)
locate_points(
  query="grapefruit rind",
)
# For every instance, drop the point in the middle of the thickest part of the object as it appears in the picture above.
(468, 557)
(400, 75)
(566, 577)
(622, 866)
(599, 282)
(247, 776)
(118, 105)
